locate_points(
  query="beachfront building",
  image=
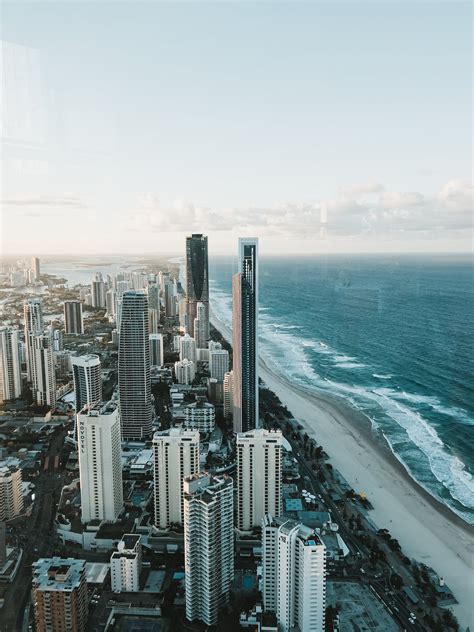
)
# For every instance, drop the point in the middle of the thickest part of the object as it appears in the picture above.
(126, 564)
(87, 376)
(218, 362)
(10, 365)
(197, 282)
(294, 575)
(176, 455)
(185, 371)
(100, 467)
(73, 322)
(208, 545)
(259, 463)
(245, 337)
(134, 381)
(200, 415)
(201, 326)
(228, 394)
(59, 595)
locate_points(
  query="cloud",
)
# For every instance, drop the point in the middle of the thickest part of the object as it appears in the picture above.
(44, 200)
(357, 210)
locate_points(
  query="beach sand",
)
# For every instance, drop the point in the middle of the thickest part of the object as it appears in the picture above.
(426, 529)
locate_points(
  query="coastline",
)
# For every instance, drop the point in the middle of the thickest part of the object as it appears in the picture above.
(427, 530)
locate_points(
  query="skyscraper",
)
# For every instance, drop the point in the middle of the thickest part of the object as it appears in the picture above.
(73, 323)
(176, 455)
(208, 545)
(126, 564)
(33, 317)
(201, 326)
(185, 371)
(294, 574)
(86, 371)
(228, 394)
(44, 377)
(98, 291)
(100, 467)
(187, 348)
(59, 595)
(258, 476)
(218, 363)
(197, 280)
(10, 368)
(35, 268)
(157, 357)
(134, 367)
(245, 337)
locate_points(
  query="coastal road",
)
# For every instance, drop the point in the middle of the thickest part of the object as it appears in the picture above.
(39, 539)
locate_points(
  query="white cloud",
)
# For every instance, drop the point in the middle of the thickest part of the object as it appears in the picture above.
(367, 209)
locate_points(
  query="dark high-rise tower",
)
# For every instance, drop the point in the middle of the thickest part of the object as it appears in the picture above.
(197, 280)
(136, 411)
(245, 337)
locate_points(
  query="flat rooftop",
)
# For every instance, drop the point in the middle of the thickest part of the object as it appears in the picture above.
(58, 574)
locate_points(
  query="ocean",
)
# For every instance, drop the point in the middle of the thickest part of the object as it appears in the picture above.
(392, 336)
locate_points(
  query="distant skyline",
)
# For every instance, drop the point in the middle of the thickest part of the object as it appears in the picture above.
(319, 128)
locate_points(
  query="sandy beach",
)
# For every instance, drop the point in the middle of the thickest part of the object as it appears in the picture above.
(427, 530)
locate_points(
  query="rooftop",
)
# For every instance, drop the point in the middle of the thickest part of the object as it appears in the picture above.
(58, 574)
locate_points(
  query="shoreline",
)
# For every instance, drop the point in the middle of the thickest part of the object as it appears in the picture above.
(428, 531)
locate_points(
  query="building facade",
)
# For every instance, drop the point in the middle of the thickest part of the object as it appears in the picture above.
(44, 376)
(87, 376)
(200, 415)
(229, 395)
(185, 371)
(197, 281)
(10, 364)
(11, 493)
(176, 455)
(157, 356)
(59, 595)
(201, 326)
(134, 367)
(187, 348)
(208, 545)
(245, 337)
(33, 324)
(126, 564)
(218, 363)
(73, 322)
(259, 463)
(294, 575)
(100, 467)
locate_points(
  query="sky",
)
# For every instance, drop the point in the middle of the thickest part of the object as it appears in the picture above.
(318, 127)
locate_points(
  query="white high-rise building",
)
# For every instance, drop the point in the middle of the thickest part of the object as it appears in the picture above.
(136, 408)
(73, 323)
(208, 545)
(187, 348)
(35, 268)
(185, 371)
(258, 476)
(100, 467)
(200, 415)
(176, 455)
(154, 321)
(218, 363)
(228, 394)
(201, 326)
(98, 289)
(157, 356)
(87, 375)
(34, 324)
(11, 493)
(10, 365)
(126, 564)
(294, 575)
(111, 303)
(44, 377)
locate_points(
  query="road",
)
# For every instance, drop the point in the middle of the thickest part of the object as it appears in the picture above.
(39, 539)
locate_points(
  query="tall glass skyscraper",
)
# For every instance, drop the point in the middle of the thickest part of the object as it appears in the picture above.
(197, 281)
(245, 337)
(136, 410)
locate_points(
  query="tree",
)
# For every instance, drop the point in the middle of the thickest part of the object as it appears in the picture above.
(397, 581)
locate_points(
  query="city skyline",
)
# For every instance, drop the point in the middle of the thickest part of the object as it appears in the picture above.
(364, 147)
